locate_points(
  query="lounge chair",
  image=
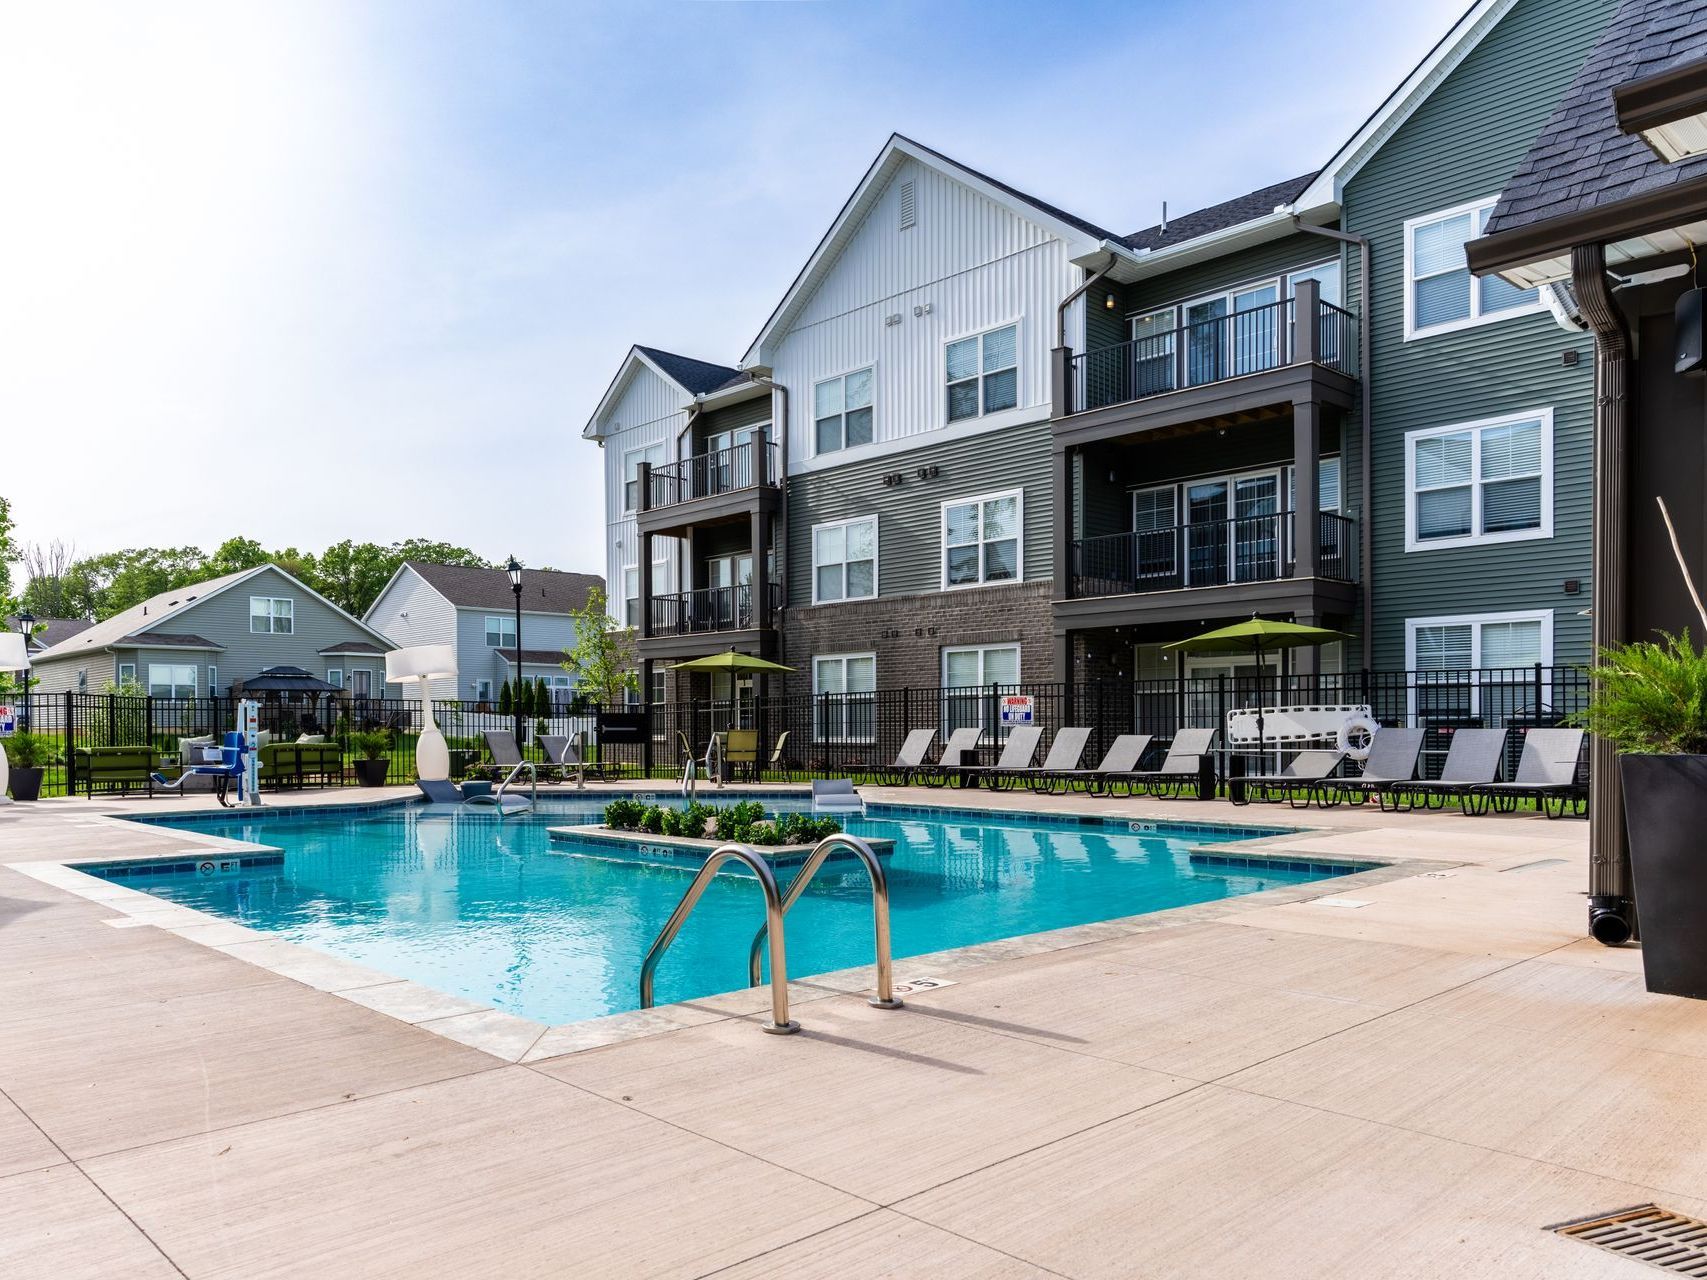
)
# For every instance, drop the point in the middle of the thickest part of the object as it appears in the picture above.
(950, 764)
(1181, 767)
(1065, 751)
(835, 795)
(1546, 773)
(1303, 773)
(1119, 761)
(1392, 762)
(506, 755)
(1473, 760)
(564, 755)
(778, 757)
(909, 759)
(1018, 752)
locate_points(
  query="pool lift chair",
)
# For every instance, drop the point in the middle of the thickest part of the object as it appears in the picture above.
(233, 762)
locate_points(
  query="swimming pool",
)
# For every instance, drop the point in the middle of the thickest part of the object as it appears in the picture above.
(492, 909)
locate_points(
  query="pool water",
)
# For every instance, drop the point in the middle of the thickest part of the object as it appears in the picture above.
(493, 910)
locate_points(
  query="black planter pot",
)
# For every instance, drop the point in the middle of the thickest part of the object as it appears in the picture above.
(372, 772)
(1665, 812)
(26, 783)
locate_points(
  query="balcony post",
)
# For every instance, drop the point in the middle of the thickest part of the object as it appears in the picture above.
(1306, 314)
(1306, 486)
(756, 446)
(643, 479)
(1061, 381)
(645, 573)
(1064, 503)
(760, 604)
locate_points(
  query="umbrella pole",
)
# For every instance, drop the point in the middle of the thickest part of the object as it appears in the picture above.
(1261, 750)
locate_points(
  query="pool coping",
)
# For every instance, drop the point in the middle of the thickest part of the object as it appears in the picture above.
(513, 1038)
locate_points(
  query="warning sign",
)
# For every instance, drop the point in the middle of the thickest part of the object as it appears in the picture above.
(1017, 708)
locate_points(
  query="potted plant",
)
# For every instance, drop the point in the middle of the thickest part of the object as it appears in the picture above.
(28, 755)
(375, 761)
(1650, 701)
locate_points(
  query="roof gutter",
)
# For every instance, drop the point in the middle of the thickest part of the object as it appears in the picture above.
(1365, 526)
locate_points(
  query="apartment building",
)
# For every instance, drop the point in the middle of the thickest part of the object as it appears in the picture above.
(984, 440)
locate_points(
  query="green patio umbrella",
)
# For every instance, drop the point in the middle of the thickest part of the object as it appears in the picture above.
(729, 660)
(1258, 636)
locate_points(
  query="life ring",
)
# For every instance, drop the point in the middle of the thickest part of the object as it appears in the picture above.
(1357, 735)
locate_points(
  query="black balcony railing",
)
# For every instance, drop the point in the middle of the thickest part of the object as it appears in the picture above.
(1209, 553)
(1208, 351)
(710, 609)
(705, 475)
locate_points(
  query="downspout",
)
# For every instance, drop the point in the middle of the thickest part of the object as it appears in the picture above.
(1611, 905)
(1071, 298)
(1366, 526)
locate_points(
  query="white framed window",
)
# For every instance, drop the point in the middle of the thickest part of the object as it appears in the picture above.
(844, 560)
(483, 691)
(1477, 664)
(335, 677)
(983, 539)
(212, 680)
(500, 632)
(631, 595)
(652, 455)
(844, 704)
(983, 373)
(1327, 275)
(171, 680)
(842, 411)
(1440, 293)
(274, 615)
(82, 679)
(1155, 528)
(657, 691)
(968, 671)
(127, 674)
(1480, 482)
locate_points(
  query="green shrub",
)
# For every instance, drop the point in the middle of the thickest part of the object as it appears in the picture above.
(624, 815)
(652, 820)
(1650, 699)
(31, 750)
(694, 820)
(371, 744)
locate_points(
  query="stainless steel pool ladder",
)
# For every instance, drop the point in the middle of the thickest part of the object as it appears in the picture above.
(885, 997)
(779, 1024)
(533, 775)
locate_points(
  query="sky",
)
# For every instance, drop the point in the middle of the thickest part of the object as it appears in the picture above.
(311, 271)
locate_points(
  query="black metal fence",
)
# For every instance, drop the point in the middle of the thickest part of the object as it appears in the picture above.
(791, 737)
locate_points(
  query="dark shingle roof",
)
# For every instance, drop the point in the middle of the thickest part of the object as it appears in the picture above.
(1217, 217)
(543, 590)
(351, 646)
(533, 657)
(50, 631)
(1580, 160)
(698, 376)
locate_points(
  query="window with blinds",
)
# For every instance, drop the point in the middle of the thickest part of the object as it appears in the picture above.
(1440, 292)
(1488, 481)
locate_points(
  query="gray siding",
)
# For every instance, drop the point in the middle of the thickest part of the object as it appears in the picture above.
(1263, 262)
(60, 675)
(1462, 144)
(745, 414)
(411, 612)
(909, 524)
(476, 660)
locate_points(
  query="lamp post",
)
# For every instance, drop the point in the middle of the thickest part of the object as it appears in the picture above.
(26, 624)
(514, 569)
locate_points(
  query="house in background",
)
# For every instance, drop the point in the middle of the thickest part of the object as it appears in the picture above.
(208, 637)
(474, 610)
(47, 632)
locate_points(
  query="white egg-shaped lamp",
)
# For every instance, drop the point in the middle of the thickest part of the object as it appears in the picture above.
(425, 662)
(14, 656)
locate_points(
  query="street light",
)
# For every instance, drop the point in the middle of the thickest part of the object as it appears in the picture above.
(514, 569)
(26, 624)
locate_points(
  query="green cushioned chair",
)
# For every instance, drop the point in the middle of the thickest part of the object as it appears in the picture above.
(115, 768)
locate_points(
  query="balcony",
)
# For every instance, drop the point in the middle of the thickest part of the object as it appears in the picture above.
(1209, 569)
(711, 610)
(1250, 364)
(710, 488)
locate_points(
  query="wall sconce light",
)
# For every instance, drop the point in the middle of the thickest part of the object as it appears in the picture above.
(1108, 302)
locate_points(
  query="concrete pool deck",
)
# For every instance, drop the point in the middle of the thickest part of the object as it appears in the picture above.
(1411, 1079)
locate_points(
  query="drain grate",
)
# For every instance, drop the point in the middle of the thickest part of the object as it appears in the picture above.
(1648, 1234)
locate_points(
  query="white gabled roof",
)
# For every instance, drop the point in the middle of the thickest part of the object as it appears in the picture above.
(1081, 237)
(1449, 51)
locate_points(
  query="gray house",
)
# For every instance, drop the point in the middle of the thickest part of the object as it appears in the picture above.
(209, 637)
(474, 609)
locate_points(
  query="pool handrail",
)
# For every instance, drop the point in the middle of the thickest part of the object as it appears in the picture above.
(885, 997)
(749, 857)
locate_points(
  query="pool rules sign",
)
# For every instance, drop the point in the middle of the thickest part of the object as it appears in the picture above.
(1017, 708)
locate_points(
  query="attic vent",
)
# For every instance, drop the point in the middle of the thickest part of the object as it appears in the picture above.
(909, 204)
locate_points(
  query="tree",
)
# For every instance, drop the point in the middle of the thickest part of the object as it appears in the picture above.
(352, 574)
(55, 586)
(234, 555)
(9, 551)
(603, 659)
(506, 700)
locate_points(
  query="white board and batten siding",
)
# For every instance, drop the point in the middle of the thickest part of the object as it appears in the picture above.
(651, 410)
(966, 265)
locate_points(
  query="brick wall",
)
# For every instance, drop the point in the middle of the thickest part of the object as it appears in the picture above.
(908, 633)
